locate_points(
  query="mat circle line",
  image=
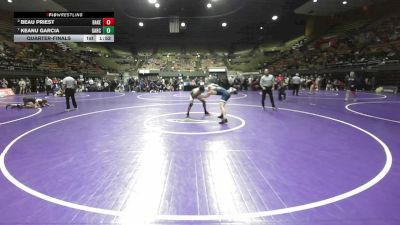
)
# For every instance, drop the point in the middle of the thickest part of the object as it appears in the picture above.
(224, 217)
(179, 96)
(80, 99)
(92, 99)
(22, 118)
(379, 96)
(146, 125)
(182, 100)
(371, 116)
(57, 97)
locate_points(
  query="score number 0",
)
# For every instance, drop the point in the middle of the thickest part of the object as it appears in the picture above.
(108, 21)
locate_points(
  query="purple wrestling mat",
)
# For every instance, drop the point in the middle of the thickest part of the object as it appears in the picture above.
(135, 158)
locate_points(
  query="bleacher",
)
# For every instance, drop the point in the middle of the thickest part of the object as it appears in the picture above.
(349, 26)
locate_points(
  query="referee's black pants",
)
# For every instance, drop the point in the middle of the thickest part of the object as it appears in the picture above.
(70, 93)
(264, 93)
(296, 89)
(48, 89)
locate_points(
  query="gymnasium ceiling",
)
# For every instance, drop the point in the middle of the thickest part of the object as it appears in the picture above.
(203, 25)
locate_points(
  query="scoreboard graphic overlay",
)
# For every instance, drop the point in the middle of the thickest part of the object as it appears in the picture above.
(64, 26)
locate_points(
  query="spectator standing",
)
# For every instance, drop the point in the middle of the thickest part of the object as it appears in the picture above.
(4, 83)
(22, 86)
(49, 83)
(351, 86)
(28, 85)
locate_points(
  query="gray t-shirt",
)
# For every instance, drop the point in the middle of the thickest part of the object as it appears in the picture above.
(296, 80)
(69, 82)
(267, 81)
(48, 82)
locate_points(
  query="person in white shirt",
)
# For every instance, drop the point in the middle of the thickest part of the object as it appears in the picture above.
(267, 85)
(69, 86)
(49, 83)
(296, 80)
(22, 86)
(4, 83)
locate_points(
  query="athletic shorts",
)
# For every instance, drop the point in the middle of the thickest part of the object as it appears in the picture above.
(26, 100)
(225, 96)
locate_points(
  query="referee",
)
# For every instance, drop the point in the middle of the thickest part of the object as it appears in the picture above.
(69, 86)
(296, 84)
(267, 85)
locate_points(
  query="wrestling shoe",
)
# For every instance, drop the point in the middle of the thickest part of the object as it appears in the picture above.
(223, 121)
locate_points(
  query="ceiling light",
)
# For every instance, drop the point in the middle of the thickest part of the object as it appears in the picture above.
(141, 24)
(315, 0)
(224, 24)
(344, 2)
(157, 5)
(275, 17)
(209, 5)
(9, 1)
(152, 1)
(183, 24)
(261, 28)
